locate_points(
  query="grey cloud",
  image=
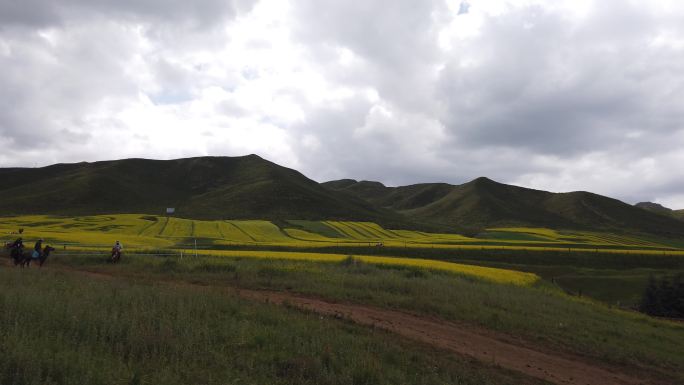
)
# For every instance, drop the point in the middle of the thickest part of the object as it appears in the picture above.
(534, 83)
(63, 61)
(536, 95)
(33, 13)
(47, 13)
(463, 8)
(553, 88)
(48, 89)
(397, 40)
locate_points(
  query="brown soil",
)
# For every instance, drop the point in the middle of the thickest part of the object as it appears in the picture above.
(462, 339)
(486, 346)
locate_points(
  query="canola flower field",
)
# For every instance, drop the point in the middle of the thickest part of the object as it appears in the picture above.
(177, 235)
(326, 241)
(148, 231)
(495, 275)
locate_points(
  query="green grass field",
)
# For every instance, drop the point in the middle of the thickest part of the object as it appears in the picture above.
(164, 332)
(63, 328)
(553, 288)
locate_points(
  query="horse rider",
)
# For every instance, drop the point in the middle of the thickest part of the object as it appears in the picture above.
(116, 250)
(37, 249)
(16, 247)
(18, 244)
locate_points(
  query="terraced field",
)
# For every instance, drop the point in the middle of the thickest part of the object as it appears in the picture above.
(613, 268)
(145, 231)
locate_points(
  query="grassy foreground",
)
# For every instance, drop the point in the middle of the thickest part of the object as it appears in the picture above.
(540, 313)
(66, 328)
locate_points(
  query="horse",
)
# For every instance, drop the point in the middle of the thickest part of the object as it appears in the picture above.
(116, 255)
(27, 257)
(15, 253)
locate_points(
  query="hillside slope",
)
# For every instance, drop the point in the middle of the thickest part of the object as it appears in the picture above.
(206, 187)
(486, 203)
(250, 187)
(662, 210)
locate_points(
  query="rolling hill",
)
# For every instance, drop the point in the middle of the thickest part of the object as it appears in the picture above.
(250, 187)
(486, 203)
(205, 187)
(654, 207)
(662, 210)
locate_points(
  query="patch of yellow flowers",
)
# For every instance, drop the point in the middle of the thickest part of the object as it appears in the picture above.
(487, 273)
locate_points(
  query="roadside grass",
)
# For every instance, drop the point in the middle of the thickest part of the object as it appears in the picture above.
(61, 327)
(542, 314)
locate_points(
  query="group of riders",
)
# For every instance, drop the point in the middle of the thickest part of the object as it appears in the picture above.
(23, 258)
(40, 253)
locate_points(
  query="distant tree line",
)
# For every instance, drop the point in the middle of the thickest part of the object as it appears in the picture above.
(664, 297)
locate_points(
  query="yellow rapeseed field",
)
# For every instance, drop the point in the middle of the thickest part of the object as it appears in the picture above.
(148, 231)
(487, 273)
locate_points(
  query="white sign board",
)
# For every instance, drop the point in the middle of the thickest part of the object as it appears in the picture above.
(170, 210)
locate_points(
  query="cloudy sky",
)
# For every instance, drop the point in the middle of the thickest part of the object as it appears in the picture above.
(558, 95)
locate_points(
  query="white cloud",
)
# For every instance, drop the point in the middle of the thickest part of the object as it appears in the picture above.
(559, 95)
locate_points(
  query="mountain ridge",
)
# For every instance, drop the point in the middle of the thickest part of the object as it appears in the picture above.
(250, 187)
(662, 210)
(200, 187)
(483, 202)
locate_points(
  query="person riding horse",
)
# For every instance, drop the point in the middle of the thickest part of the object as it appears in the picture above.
(116, 252)
(16, 248)
(25, 258)
(37, 249)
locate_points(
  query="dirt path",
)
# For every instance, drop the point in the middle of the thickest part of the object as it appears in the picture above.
(460, 339)
(483, 345)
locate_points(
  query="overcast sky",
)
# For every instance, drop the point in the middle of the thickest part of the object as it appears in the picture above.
(556, 95)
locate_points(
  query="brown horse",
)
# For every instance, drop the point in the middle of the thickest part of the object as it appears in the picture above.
(16, 253)
(27, 257)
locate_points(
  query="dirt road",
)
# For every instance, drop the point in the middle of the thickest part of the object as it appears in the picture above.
(462, 339)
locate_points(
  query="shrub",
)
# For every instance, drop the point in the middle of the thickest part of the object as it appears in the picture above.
(664, 298)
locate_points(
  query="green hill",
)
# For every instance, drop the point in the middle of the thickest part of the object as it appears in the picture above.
(250, 187)
(662, 210)
(655, 208)
(206, 187)
(679, 214)
(486, 203)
